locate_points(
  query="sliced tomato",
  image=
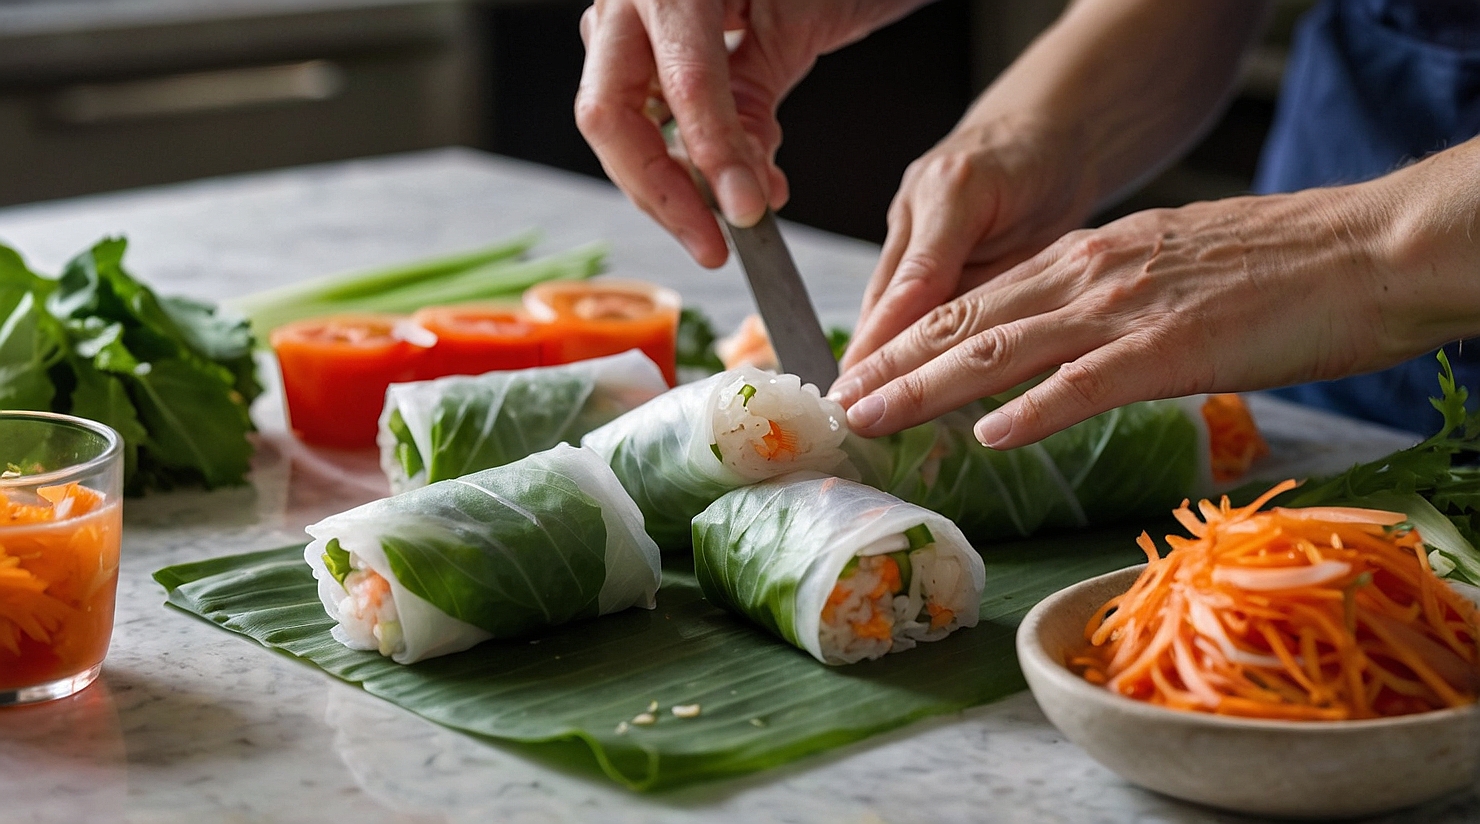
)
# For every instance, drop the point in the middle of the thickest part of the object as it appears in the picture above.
(335, 372)
(592, 318)
(477, 338)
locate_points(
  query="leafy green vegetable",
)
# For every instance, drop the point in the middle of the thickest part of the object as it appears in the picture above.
(464, 547)
(336, 560)
(174, 377)
(1430, 482)
(580, 680)
(696, 339)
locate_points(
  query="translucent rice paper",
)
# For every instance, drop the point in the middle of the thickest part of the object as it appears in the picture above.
(542, 541)
(457, 425)
(664, 451)
(1140, 460)
(774, 551)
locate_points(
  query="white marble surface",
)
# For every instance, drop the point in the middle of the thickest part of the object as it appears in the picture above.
(190, 723)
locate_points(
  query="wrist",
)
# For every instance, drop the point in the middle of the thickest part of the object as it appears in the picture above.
(1431, 246)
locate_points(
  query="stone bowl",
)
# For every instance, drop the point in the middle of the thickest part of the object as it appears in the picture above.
(1286, 769)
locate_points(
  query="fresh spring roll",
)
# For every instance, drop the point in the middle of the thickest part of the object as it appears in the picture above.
(680, 451)
(1137, 460)
(839, 569)
(542, 541)
(457, 425)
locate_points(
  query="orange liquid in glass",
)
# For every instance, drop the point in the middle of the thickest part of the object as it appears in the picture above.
(58, 580)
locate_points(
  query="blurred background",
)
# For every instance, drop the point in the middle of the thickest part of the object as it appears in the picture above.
(99, 95)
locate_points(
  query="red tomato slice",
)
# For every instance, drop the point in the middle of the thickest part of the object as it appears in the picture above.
(592, 318)
(335, 372)
(477, 338)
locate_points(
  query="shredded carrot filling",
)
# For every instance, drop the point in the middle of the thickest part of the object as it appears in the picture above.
(27, 609)
(1324, 613)
(776, 443)
(878, 627)
(1234, 439)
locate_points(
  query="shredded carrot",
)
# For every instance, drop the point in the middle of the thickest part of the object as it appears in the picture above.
(878, 627)
(58, 555)
(1234, 439)
(1326, 613)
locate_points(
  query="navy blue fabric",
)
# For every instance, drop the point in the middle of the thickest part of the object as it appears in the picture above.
(1372, 85)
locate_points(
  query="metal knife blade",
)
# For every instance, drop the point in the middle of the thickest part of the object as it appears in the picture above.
(785, 307)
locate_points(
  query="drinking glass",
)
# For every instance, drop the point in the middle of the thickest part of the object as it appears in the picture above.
(61, 526)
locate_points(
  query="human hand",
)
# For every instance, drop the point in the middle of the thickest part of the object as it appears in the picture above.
(987, 197)
(1232, 295)
(723, 101)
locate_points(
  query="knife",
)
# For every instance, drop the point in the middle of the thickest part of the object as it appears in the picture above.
(785, 307)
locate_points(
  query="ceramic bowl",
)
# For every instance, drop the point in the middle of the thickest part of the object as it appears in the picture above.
(1272, 768)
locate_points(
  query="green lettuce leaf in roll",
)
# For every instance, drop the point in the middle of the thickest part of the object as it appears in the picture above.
(545, 540)
(1137, 460)
(683, 449)
(841, 570)
(453, 426)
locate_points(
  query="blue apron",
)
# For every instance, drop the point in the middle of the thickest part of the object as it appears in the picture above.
(1371, 85)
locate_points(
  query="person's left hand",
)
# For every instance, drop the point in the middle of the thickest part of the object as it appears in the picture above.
(1232, 295)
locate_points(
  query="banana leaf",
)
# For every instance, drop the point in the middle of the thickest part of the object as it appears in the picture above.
(762, 703)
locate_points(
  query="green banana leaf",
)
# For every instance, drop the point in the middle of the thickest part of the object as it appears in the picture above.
(763, 703)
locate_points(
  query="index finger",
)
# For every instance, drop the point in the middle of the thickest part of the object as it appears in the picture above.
(611, 105)
(692, 62)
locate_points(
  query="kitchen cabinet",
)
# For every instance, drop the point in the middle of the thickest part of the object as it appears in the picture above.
(97, 95)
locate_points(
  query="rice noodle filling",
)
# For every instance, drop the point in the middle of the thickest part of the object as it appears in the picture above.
(767, 424)
(872, 611)
(367, 613)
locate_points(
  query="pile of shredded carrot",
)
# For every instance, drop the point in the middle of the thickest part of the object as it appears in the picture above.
(1234, 439)
(28, 607)
(1320, 613)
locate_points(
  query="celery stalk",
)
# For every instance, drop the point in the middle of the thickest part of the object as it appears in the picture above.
(491, 282)
(273, 307)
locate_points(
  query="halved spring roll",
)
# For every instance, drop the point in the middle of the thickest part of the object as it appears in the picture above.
(683, 449)
(842, 570)
(545, 540)
(457, 425)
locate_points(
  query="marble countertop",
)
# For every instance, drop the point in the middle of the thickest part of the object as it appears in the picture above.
(189, 723)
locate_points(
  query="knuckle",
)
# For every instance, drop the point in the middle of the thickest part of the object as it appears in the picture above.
(1086, 384)
(595, 118)
(989, 349)
(946, 325)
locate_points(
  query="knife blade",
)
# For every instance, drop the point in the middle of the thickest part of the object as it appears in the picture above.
(775, 284)
(781, 297)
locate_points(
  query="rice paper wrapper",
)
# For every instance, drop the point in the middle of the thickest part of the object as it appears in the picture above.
(460, 424)
(669, 456)
(1139, 460)
(773, 551)
(545, 540)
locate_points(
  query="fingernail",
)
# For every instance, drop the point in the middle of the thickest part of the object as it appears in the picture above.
(993, 428)
(739, 196)
(868, 411)
(845, 391)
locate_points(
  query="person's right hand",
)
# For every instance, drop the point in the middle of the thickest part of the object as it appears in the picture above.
(724, 102)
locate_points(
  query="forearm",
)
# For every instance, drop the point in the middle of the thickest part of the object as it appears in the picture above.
(1121, 87)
